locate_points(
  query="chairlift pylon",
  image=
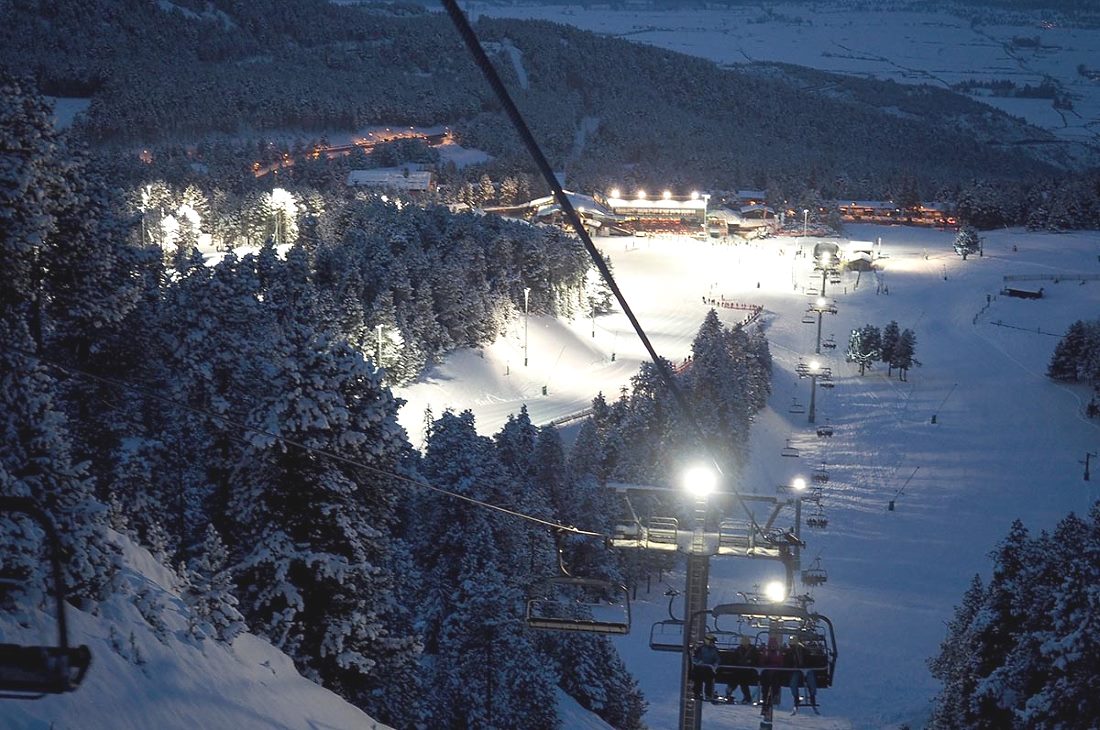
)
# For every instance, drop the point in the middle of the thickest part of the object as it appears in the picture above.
(31, 672)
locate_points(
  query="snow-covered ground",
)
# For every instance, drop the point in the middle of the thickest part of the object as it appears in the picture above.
(892, 41)
(1007, 442)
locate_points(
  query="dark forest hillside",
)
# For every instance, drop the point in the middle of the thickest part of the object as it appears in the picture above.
(661, 117)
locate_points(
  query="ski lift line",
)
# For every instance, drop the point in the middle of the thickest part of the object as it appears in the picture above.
(906, 484)
(309, 449)
(470, 38)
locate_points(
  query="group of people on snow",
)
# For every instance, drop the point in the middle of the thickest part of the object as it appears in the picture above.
(747, 665)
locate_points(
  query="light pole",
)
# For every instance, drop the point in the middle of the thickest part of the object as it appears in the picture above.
(805, 221)
(526, 296)
(821, 306)
(813, 371)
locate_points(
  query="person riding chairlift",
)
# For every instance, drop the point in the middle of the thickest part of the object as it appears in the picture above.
(704, 664)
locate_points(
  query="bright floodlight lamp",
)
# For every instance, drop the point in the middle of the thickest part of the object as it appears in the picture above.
(641, 195)
(700, 481)
(694, 194)
(799, 484)
(666, 194)
(815, 365)
(614, 192)
(775, 591)
(821, 302)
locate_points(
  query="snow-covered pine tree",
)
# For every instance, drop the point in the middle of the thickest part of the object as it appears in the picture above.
(1068, 353)
(484, 670)
(967, 241)
(903, 356)
(312, 536)
(209, 594)
(37, 460)
(890, 334)
(953, 707)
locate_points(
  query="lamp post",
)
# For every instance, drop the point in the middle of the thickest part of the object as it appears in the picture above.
(821, 306)
(813, 371)
(526, 296)
(805, 221)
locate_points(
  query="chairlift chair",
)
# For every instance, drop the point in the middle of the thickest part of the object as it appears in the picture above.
(566, 602)
(764, 619)
(814, 575)
(808, 318)
(789, 450)
(31, 672)
(825, 431)
(668, 634)
(818, 520)
(826, 384)
(829, 343)
(820, 475)
(796, 407)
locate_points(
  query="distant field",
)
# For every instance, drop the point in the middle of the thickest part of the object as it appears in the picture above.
(932, 47)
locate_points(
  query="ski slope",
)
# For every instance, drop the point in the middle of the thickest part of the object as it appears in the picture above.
(1007, 442)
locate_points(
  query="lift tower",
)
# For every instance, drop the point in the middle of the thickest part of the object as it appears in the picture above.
(708, 534)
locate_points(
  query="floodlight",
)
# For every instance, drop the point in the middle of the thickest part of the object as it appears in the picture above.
(775, 591)
(799, 484)
(815, 365)
(666, 194)
(694, 194)
(821, 302)
(700, 480)
(614, 192)
(641, 195)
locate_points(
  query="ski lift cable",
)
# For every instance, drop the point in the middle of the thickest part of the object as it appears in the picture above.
(901, 490)
(148, 393)
(470, 38)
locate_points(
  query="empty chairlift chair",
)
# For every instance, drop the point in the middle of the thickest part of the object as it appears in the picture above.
(31, 672)
(796, 407)
(789, 450)
(569, 603)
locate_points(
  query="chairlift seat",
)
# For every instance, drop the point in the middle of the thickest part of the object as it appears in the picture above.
(585, 612)
(796, 407)
(825, 431)
(30, 672)
(789, 451)
(808, 318)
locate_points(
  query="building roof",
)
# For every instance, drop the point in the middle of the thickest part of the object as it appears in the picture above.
(391, 177)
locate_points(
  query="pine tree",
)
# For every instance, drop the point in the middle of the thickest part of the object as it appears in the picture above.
(890, 335)
(952, 666)
(313, 537)
(1068, 353)
(903, 353)
(209, 594)
(485, 672)
(967, 241)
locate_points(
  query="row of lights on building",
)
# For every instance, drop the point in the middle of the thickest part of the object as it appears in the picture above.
(641, 194)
